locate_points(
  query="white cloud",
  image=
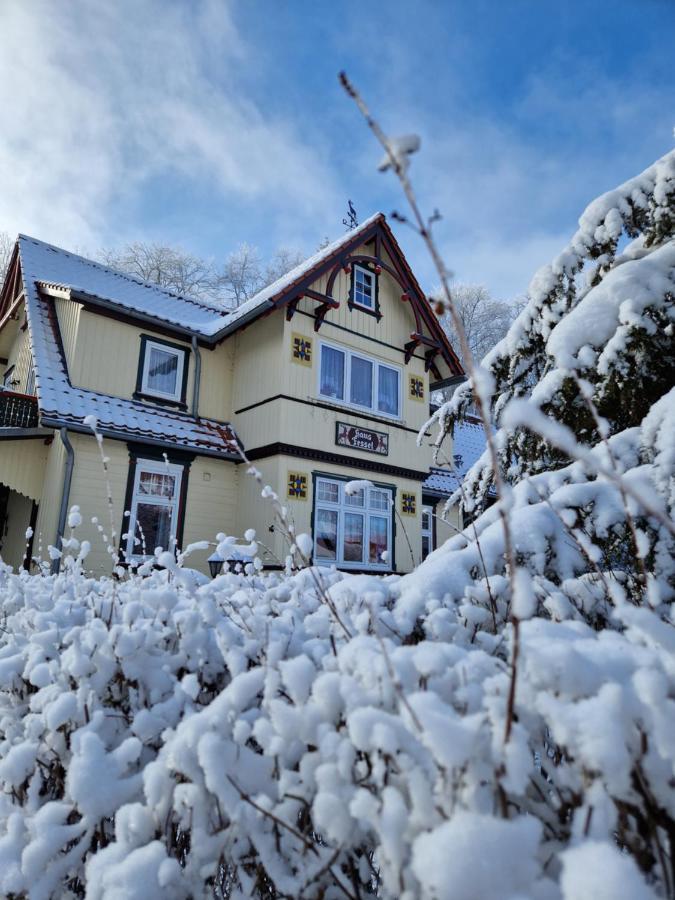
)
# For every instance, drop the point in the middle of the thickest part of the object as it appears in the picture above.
(96, 100)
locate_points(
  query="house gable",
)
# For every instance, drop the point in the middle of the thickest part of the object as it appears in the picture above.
(319, 288)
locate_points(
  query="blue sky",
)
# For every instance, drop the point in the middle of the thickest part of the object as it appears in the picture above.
(206, 124)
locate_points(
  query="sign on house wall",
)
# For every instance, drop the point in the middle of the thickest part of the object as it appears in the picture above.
(361, 438)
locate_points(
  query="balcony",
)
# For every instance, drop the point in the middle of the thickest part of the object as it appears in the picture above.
(18, 410)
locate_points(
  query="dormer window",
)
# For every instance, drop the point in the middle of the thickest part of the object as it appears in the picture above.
(364, 290)
(162, 371)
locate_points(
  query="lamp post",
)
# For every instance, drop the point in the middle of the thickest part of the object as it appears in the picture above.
(215, 564)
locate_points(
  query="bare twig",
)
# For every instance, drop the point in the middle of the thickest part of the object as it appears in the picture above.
(481, 399)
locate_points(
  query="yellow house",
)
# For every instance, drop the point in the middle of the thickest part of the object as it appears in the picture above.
(321, 379)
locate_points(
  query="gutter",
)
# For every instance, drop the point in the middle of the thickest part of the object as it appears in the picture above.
(198, 377)
(65, 496)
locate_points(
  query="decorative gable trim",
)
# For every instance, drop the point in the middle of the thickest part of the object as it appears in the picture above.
(428, 331)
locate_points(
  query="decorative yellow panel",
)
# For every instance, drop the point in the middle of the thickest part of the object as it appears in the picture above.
(408, 504)
(296, 486)
(301, 349)
(415, 387)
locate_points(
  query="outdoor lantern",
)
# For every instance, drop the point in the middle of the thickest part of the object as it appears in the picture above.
(215, 564)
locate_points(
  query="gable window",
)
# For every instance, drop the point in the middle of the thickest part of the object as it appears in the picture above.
(352, 530)
(357, 381)
(155, 498)
(364, 288)
(162, 370)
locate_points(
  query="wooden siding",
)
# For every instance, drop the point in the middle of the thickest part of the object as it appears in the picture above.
(48, 515)
(211, 506)
(68, 316)
(103, 355)
(254, 511)
(89, 492)
(22, 466)
(20, 356)
(259, 370)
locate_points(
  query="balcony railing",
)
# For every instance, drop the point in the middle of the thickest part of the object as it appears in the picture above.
(18, 410)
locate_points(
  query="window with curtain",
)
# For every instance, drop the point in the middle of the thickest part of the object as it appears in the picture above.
(154, 508)
(359, 381)
(332, 373)
(352, 531)
(162, 370)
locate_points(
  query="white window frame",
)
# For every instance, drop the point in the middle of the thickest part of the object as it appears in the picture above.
(373, 276)
(342, 506)
(347, 381)
(428, 532)
(148, 347)
(162, 468)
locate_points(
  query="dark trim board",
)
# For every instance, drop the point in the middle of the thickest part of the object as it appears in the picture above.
(342, 410)
(336, 459)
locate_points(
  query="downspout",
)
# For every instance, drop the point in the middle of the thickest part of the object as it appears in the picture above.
(198, 377)
(65, 496)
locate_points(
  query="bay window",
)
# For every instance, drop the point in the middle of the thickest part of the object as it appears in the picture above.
(155, 498)
(355, 380)
(352, 530)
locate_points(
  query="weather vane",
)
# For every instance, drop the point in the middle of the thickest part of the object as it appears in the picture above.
(351, 221)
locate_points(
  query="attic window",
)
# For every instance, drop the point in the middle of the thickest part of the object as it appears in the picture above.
(364, 290)
(162, 371)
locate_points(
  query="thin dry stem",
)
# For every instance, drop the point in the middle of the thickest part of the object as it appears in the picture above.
(424, 228)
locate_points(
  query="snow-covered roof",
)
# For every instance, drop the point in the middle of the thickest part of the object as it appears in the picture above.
(62, 404)
(468, 444)
(52, 266)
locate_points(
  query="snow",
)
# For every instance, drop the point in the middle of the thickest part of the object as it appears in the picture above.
(401, 148)
(597, 871)
(490, 859)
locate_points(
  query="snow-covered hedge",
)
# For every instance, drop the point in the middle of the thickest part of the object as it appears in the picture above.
(164, 739)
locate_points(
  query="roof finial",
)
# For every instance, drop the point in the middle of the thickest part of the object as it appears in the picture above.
(351, 221)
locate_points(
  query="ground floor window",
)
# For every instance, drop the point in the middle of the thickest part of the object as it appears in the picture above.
(352, 530)
(153, 511)
(427, 531)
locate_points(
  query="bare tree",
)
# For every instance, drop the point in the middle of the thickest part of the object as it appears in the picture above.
(241, 275)
(485, 320)
(239, 278)
(282, 262)
(170, 267)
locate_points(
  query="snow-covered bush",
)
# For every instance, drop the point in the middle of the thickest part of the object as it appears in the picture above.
(461, 732)
(163, 739)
